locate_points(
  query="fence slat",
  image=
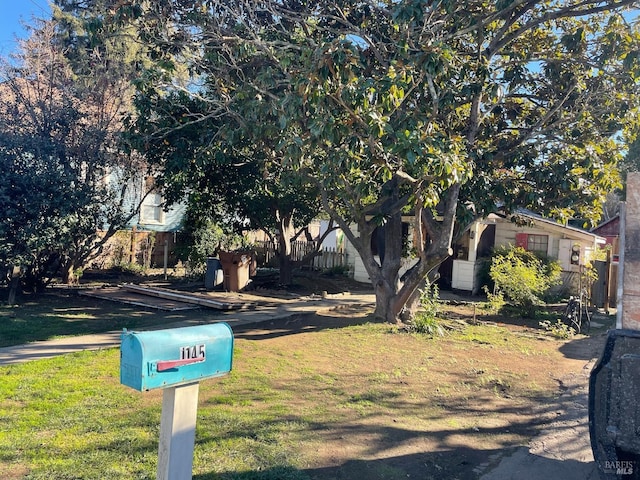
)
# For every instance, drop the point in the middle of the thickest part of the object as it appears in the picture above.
(327, 258)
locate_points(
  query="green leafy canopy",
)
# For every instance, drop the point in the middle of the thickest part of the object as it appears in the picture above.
(441, 110)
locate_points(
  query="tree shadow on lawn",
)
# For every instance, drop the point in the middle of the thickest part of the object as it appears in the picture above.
(389, 450)
(301, 323)
(427, 466)
(50, 315)
(422, 466)
(393, 452)
(444, 463)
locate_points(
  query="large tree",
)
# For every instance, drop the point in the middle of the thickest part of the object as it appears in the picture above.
(218, 148)
(444, 111)
(235, 182)
(65, 178)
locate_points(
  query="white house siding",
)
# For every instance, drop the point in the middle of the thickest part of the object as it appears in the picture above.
(359, 272)
(506, 235)
(354, 261)
(171, 220)
(335, 238)
(560, 240)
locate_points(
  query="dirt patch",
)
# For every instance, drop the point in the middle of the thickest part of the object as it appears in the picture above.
(410, 407)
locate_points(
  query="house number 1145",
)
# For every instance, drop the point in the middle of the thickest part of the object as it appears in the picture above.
(195, 351)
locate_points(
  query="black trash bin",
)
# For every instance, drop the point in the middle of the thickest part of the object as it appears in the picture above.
(213, 276)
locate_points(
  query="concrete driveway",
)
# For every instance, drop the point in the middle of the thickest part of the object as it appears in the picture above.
(562, 451)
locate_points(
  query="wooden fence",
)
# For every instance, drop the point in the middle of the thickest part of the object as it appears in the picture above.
(327, 258)
(330, 258)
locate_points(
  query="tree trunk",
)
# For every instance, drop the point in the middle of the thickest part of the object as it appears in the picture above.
(68, 276)
(14, 284)
(397, 299)
(387, 307)
(286, 270)
(285, 234)
(70, 270)
(413, 303)
(412, 306)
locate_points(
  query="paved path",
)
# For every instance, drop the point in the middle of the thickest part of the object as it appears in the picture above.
(276, 308)
(562, 450)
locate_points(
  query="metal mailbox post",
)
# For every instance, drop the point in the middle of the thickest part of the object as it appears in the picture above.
(176, 360)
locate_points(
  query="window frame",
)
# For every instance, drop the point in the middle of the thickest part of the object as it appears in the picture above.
(529, 240)
(152, 202)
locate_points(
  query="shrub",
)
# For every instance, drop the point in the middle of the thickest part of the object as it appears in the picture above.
(146, 249)
(523, 277)
(131, 268)
(204, 241)
(426, 319)
(558, 329)
(495, 301)
(337, 271)
(125, 246)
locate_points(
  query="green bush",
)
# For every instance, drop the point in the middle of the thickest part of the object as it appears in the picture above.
(523, 277)
(495, 301)
(131, 268)
(336, 271)
(205, 241)
(426, 320)
(558, 329)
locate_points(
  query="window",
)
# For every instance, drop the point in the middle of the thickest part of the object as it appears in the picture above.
(533, 243)
(538, 243)
(151, 209)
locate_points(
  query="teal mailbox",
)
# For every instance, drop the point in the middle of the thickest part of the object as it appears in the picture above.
(177, 356)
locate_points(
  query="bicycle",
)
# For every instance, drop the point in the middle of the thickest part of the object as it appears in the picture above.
(576, 313)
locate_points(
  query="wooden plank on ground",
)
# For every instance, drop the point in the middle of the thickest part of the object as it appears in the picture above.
(116, 294)
(195, 298)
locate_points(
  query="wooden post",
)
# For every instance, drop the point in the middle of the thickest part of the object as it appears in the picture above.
(630, 256)
(177, 432)
(132, 250)
(607, 283)
(14, 284)
(166, 256)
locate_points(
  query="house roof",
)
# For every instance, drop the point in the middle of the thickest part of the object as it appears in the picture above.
(606, 226)
(567, 229)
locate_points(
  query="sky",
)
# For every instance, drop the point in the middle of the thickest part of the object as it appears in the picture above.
(11, 13)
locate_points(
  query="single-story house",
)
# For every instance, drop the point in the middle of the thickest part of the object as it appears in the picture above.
(571, 246)
(151, 230)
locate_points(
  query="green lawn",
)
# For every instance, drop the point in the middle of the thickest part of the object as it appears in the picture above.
(65, 312)
(70, 418)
